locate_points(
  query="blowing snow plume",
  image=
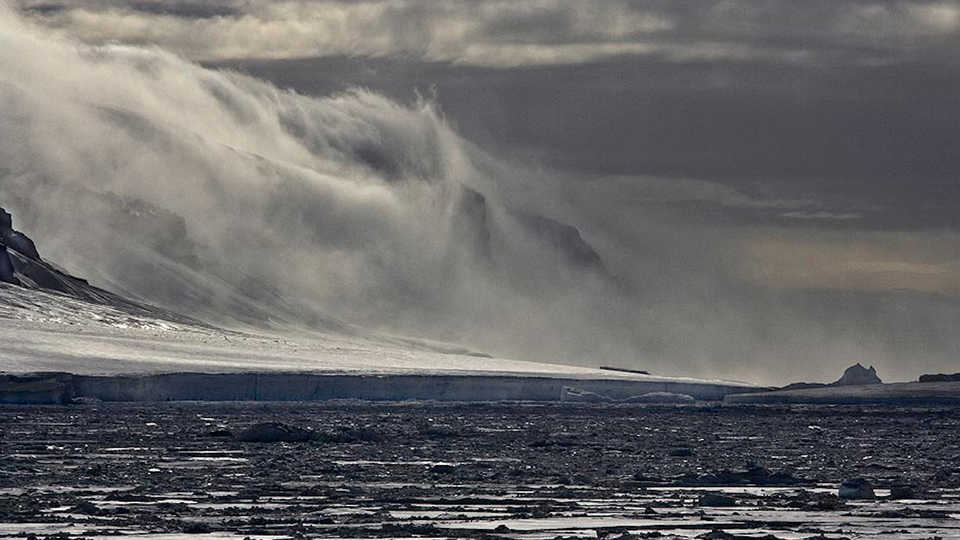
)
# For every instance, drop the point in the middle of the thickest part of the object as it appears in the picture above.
(222, 196)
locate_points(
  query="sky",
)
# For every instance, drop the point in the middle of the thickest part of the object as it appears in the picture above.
(775, 180)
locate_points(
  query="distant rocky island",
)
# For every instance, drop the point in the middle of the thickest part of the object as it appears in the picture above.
(853, 376)
(860, 385)
(940, 377)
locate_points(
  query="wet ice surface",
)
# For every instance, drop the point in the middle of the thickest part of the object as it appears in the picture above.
(504, 471)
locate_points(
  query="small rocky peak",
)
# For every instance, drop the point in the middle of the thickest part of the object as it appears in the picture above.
(14, 239)
(6, 265)
(13, 244)
(857, 375)
(6, 220)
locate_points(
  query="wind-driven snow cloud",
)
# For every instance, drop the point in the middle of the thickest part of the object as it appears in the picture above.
(223, 196)
(689, 187)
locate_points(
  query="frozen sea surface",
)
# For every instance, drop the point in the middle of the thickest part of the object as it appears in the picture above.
(555, 471)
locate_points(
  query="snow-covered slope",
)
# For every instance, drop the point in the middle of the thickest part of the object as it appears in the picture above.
(85, 340)
(122, 353)
(46, 331)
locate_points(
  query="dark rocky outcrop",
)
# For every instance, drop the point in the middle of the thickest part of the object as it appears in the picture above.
(152, 226)
(6, 266)
(904, 491)
(566, 239)
(858, 375)
(14, 239)
(21, 264)
(19, 242)
(470, 221)
(854, 375)
(716, 500)
(6, 263)
(19, 255)
(940, 377)
(856, 488)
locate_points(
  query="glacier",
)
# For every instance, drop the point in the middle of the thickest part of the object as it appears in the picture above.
(115, 354)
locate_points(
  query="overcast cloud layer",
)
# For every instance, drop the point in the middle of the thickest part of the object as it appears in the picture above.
(519, 32)
(772, 184)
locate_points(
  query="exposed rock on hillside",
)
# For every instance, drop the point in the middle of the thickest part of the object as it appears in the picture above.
(471, 221)
(6, 266)
(21, 264)
(566, 239)
(14, 239)
(6, 263)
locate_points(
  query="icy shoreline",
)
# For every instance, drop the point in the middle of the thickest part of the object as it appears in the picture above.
(908, 393)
